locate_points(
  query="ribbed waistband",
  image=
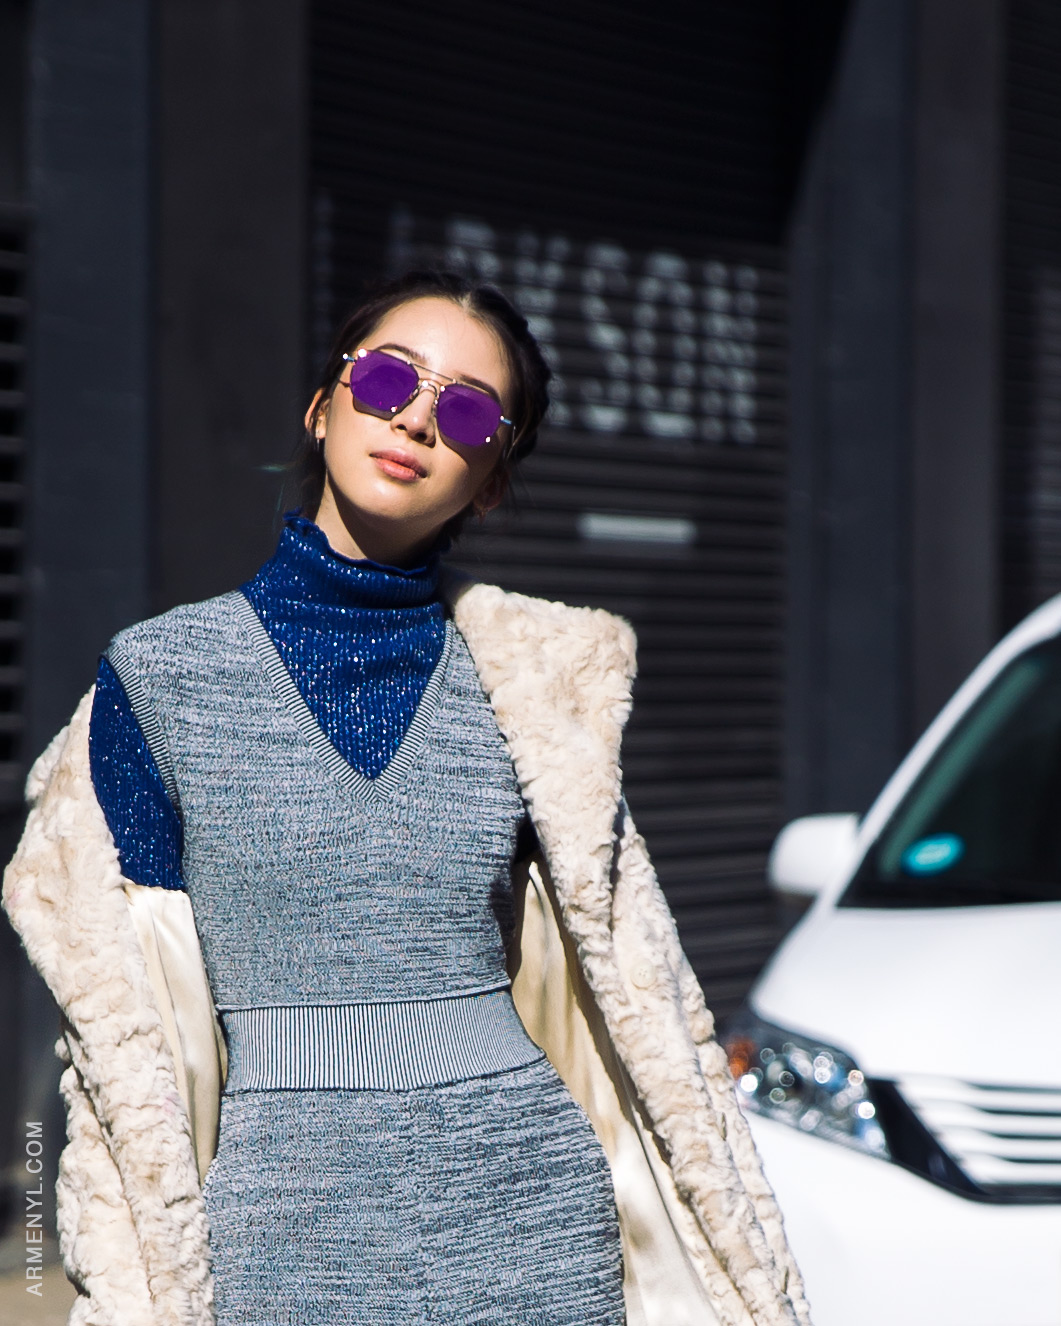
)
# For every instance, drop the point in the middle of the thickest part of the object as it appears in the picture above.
(375, 1047)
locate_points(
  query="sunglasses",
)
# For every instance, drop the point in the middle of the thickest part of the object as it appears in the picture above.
(382, 384)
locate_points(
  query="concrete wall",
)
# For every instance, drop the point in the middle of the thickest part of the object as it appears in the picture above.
(166, 159)
(896, 266)
(89, 384)
(231, 271)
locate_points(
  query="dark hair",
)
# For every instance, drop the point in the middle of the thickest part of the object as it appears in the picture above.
(529, 371)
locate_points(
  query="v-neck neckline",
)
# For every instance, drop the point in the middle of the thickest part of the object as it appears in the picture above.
(366, 789)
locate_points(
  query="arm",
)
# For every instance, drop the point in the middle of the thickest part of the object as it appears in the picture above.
(130, 1163)
(141, 814)
(142, 818)
(641, 897)
(101, 1254)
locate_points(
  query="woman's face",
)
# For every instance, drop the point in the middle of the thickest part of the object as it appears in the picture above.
(392, 483)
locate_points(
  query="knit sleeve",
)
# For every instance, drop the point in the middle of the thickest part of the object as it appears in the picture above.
(142, 819)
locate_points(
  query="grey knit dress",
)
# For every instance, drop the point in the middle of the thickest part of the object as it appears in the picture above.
(393, 1148)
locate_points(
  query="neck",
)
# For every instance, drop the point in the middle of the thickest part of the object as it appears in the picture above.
(389, 544)
(307, 576)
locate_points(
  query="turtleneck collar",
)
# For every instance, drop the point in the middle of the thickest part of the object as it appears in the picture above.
(359, 640)
(307, 567)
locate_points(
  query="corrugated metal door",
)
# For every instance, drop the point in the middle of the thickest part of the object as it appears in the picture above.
(620, 181)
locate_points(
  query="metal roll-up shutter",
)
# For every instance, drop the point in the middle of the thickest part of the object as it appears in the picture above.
(1032, 384)
(620, 182)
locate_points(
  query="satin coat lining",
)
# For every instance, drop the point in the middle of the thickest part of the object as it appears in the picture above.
(166, 930)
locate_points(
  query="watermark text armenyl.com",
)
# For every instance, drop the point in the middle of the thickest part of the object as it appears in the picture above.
(34, 1209)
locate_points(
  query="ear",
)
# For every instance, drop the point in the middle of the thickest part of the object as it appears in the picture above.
(491, 493)
(312, 416)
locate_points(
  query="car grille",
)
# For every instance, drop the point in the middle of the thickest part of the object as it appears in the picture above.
(1007, 1140)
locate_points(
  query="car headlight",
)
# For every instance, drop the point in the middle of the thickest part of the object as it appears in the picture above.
(813, 1087)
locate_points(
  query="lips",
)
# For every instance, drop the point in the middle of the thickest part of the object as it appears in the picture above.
(399, 465)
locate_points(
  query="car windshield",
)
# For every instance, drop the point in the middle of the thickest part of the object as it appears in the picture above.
(982, 823)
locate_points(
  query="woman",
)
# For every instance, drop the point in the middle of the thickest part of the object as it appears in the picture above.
(373, 1009)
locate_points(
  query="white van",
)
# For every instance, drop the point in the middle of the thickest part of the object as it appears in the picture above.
(900, 1057)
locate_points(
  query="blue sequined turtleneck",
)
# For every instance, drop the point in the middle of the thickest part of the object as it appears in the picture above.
(360, 641)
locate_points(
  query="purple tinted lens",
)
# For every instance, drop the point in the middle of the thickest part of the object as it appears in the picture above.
(467, 416)
(381, 382)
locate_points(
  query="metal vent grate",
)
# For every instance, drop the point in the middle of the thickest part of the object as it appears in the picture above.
(1004, 1138)
(14, 232)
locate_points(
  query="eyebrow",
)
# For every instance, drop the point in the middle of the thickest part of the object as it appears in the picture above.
(418, 360)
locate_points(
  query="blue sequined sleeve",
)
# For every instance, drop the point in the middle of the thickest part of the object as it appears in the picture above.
(143, 822)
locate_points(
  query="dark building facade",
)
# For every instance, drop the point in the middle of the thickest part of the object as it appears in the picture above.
(795, 274)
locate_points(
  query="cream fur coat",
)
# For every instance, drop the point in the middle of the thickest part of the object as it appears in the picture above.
(599, 979)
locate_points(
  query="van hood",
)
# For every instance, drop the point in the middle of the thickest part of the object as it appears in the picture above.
(964, 992)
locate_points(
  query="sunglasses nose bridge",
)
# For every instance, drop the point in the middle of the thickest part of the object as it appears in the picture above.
(415, 395)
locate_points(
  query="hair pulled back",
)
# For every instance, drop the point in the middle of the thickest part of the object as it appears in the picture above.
(529, 372)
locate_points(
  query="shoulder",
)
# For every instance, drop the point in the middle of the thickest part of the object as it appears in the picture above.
(189, 651)
(183, 626)
(189, 620)
(500, 616)
(568, 658)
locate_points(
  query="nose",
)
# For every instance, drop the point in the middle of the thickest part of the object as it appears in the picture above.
(417, 418)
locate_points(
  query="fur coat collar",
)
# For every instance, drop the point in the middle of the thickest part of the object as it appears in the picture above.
(599, 979)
